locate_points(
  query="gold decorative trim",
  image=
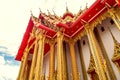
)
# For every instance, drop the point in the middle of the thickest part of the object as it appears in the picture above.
(91, 67)
(116, 55)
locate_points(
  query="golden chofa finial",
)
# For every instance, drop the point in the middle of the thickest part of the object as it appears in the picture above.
(86, 6)
(55, 14)
(67, 10)
(40, 10)
(80, 11)
(48, 12)
(53, 11)
(31, 12)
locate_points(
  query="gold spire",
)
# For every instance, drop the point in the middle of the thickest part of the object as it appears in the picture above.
(116, 55)
(31, 12)
(49, 14)
(67, 10)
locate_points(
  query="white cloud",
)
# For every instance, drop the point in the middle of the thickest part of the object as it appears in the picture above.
(8, 71)
(2, 61)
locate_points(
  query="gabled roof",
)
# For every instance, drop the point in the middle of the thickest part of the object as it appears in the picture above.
(71, 27)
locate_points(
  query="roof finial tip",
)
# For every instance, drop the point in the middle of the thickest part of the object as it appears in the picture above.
(31, 12)
(40, 10)
(67, 8)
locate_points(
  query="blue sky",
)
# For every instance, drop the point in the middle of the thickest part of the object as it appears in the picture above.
(14, 17)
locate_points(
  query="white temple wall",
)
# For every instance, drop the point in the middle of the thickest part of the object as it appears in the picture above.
(68, 62)
(46, 64)
(55, 49)
(86, 53)
(78, 61)
(108, 41)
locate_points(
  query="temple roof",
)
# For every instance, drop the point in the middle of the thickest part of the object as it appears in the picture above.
(72, 23)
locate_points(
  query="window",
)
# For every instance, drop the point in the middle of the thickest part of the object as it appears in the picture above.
(112, 22)
(83, 42)
(102, 29)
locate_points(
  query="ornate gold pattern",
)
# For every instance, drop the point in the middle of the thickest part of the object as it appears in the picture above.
(96, 54)
(92, 70)
(114, 16)
(116, 55)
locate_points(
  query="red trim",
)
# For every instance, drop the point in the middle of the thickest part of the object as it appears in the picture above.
(67, 14)
(25, 40)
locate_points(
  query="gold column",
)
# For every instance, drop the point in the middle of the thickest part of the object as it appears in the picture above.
(114, 16)
(27, 72)
(96, 54)
(52, 61)
(18, 78)
(105, 55)
(59, 55)
(75, 74)
(24, 60)
(34, 59)
(39, 64)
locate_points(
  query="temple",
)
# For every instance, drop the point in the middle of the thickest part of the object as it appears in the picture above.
(81, 46)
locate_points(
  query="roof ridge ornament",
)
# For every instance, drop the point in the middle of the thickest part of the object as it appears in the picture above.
(40, 10)
(86, 6)
(55, 14)
(49, 14)
(31, 12)
(67, 10)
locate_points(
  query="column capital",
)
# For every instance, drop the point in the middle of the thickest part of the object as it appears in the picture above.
(52, 42)
(88, 27)
(111, 12)
(71, 41)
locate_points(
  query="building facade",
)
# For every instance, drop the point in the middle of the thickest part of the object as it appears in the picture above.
(82, 46)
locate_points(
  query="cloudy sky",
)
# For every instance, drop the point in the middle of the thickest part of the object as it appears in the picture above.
(14, 17)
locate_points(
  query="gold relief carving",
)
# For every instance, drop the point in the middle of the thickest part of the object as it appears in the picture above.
(68, 19)
(91, 67)
(92, 71)
(80, 35)
(108, 67)
(96, 54)
(117, 9)
(116, 55)
(113, 14)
